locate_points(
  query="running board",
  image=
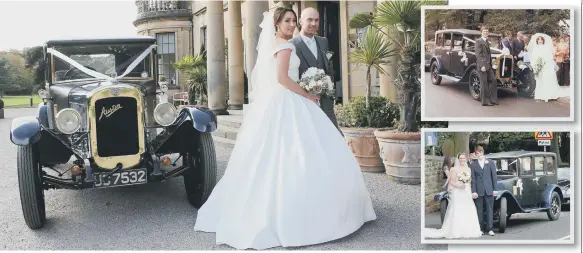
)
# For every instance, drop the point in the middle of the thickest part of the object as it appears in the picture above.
(451, 78)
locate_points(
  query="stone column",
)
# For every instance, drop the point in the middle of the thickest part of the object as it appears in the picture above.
(217, 89)
(253, 17)
(236, 82)
(387, 86)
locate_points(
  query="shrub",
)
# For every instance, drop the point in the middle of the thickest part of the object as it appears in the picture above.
(354, 114)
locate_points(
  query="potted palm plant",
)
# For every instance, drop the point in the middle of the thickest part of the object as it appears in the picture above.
(400, 147)
(363, 115)
(194, 69)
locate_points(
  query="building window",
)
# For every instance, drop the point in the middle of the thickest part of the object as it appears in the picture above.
(166, 56)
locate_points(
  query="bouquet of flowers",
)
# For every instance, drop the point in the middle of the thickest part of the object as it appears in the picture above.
(316, 82)
(464, 178)
(538, 65)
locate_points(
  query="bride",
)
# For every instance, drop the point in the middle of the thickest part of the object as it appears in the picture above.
(544, 67)
(291, 179)
(461, 218)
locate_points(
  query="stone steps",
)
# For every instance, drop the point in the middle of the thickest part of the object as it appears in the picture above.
(228, 128)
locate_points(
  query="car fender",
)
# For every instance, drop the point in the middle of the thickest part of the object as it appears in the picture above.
(466, 76)
(43, 116)
(203, 119)
(437, 59)
(25, 131)
(549, 192)
(512, 202)
(441, 195)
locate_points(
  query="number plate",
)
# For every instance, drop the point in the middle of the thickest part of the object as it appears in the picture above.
(121, 178)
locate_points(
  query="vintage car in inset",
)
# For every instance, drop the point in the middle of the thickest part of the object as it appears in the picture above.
(527, 182)
(100, 107)
(454, 58)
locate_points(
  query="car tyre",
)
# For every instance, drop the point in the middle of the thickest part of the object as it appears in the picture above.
(435, 78)
(201, 176)
(555, 211)
(474, 84)
(503, 219)
(30, 186)
(528, 91)
(443, 209)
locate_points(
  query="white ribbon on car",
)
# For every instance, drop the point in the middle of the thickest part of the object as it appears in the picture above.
(97, 74)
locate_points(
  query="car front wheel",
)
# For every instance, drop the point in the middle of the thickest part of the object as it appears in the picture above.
(503, 215)
(474, 84)
(435, 78)
(201, 176)
(31, 189)
(555, 211)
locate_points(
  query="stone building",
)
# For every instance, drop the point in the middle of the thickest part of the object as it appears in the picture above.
(182, 27)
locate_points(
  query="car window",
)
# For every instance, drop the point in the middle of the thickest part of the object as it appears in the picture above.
(551, 168)
(469, 45)
(457, 41)
(525, 166)
(539, 165)
(447, 39)
(439, 40)
(506, 167)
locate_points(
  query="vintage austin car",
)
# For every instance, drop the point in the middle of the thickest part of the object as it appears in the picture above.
(527, 182)
(454, 58)
(100, 108)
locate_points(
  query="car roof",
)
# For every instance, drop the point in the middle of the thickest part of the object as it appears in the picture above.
(101, 40)
(514, 154)
(465, 31)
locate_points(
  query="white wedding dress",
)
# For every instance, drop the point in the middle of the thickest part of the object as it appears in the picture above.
(547, 86)
(461, 217)
(291, 179)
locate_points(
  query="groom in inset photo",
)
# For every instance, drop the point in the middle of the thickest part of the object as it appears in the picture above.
(484, 180)
(488, 83)
(312, 51)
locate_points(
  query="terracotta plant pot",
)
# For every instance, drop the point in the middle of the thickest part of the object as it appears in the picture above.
(401, 155)
(365, 147)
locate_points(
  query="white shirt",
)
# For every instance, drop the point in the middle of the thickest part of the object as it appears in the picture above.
(482, 162)
(311, 43)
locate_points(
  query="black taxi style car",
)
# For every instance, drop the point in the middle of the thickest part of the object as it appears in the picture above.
(99, 107)
(527, 182)
(454, 58)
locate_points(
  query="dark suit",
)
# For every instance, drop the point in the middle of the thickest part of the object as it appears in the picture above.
(518, 46)
(488, 83)
(507, 43)
(484, 184)
(307, 60)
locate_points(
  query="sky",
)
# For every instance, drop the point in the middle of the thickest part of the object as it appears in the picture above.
(25, 23)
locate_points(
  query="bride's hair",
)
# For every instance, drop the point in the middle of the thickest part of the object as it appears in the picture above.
(279, 13)
(540, 38)
(458, 158)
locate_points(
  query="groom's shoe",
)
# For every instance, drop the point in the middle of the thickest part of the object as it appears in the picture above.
(491, 233)
(494, 103)
(488, 104)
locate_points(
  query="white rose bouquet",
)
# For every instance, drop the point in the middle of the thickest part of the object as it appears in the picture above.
(538, 65)
(464, 178)
(316, 82)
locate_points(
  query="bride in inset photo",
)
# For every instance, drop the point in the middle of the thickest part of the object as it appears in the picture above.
(544, 68)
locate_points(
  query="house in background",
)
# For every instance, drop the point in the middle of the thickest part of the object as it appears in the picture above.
(182, 27)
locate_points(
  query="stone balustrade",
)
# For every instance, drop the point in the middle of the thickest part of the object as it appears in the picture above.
(155, 9)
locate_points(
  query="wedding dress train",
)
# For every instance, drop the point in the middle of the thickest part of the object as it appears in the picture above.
(291, 179)
(547, 86)
(461, 218)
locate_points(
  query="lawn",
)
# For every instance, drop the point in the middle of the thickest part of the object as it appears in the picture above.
(20, 101)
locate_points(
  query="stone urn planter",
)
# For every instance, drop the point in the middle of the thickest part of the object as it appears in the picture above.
(401, 155)
(365, 147)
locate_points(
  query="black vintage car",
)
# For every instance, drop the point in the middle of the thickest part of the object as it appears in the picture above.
(454, 58)
(527, 182)
(100, 111)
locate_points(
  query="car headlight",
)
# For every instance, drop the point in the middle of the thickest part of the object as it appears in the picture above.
(43, 94)
(68, 121)
(163, 88)
(165, 114)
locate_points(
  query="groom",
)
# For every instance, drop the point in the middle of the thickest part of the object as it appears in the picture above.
(488, 83)
(311, 50)
(484, 180)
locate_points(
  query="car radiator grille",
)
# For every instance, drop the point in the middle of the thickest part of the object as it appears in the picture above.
(116, 126)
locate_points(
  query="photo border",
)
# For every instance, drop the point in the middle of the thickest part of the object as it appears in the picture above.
(574, 62)
(560, 241)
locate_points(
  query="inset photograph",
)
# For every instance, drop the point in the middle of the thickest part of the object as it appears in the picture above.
(503, 187)
(497, 64)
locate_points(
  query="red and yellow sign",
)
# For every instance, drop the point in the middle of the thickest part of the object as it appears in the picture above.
(543, 135)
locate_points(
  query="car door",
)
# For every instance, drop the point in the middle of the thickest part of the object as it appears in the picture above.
(540, 179)
(457, 67)
(446, 52)
(526, 185)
